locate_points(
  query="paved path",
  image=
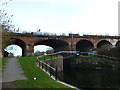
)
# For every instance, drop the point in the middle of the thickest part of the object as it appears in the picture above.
(12, 71)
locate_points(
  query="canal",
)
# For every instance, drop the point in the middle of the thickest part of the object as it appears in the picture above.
(91, 78)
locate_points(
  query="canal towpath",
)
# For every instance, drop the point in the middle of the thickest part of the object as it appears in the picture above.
(12, 71)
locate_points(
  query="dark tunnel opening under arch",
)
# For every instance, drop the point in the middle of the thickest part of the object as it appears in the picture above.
(118, 44)
(18, 42)
(84, 46)
(104, 44)
(57, 45)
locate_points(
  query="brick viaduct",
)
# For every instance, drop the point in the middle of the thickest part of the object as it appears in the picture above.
(64, 43)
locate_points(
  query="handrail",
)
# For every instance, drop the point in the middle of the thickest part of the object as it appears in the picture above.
(49, 69)
(107, 57)
(77, 53)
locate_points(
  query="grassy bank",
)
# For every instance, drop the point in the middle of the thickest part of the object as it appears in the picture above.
(3, 60)
(47, 57)
(31, 71)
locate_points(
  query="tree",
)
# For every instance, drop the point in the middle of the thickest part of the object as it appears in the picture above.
(37, 53)
(10, 55)
(50, 51)
(113, 52)
(6, 54)
(5, 21)
(6, 28)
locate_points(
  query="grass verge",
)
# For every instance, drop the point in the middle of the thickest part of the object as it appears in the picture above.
(48, 57)
(3, 60)
(31, 71)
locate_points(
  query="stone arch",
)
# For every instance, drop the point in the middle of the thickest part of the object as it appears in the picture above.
(56, 44)
(104, 44)
(84, 45)
(18, 42)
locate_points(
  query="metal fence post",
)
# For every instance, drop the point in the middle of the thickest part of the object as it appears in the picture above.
(46, 67)
(42, 65)
(51, 56)
(39, 63)
(50, 71)
(44, 57)
(56, 73)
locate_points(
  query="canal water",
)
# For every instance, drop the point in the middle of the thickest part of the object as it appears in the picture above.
(91, 78)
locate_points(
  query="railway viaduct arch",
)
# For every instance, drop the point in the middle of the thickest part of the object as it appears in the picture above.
(63, 43)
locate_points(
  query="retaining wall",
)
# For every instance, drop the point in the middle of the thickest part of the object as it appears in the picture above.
(56, 63)
(89, 62)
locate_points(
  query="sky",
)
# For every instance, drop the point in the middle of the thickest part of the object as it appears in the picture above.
(64, 16)
(17, 50)
(41, 48)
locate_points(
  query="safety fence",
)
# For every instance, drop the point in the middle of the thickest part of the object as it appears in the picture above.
(47, 68)
(107, 57)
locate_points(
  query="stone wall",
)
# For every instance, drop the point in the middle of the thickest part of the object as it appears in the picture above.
(56, 63)
(90, 62)
(1, 55)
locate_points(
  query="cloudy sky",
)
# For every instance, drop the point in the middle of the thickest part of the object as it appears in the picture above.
(65, 16)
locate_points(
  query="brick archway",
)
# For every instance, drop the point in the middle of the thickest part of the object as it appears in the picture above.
(84, 45)
(117, 44)
(56, 44)
(104, 43)
(20, 43)
(59, 42)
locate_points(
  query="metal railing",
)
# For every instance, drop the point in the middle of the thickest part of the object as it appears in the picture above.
(107, 57)
(46, 67)
(53, 71)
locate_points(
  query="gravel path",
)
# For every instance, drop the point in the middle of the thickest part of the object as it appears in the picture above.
(12, 71)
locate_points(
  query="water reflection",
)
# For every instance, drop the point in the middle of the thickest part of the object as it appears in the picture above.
(88, 78)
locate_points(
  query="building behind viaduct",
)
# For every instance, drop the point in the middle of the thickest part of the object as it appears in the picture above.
(62, 43)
